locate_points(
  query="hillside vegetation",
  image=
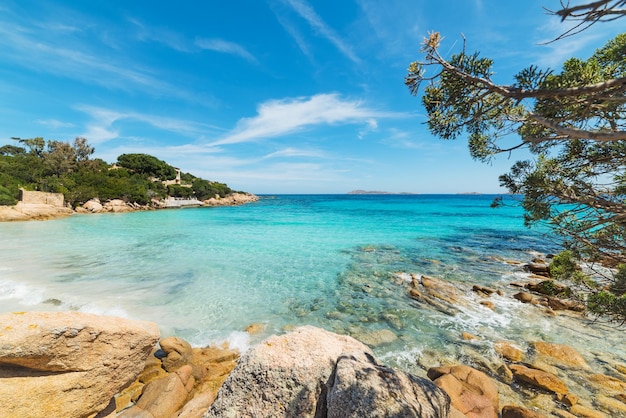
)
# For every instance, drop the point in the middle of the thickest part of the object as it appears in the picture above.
(64, 167)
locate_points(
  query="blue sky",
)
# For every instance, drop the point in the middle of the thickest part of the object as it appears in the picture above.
(268, 96)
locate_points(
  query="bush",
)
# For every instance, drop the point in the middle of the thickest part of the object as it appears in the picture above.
(563, 266)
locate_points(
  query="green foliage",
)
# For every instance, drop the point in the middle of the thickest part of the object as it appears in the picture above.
(63, 167)
(563, 266)
(572, 121)
(176, 190)
(148, 165)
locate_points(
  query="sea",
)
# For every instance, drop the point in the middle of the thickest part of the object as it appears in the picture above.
(340, 262)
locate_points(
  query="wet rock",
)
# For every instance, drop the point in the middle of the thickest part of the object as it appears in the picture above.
(538, 378)
(607, 382)
(488, 304)
(508, 351)
(612, 405)
(511, 411)
(482, 290)
(540, 269)
(560, 353)
(567, 399)
(471, 391)
(254, 329)
(68, 364)
(376, 338)
(524, 297)
(549, 288)
(564, 304)
(468, 337)
(584, 412)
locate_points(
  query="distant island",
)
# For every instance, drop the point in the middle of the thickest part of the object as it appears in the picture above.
(375, 192)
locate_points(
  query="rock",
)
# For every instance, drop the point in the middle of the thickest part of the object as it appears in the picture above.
(254, 329)
(607, 382)
(620, 368)
(93, 206)
(549, 288)
(488, 304)
(362, 388)
(567, 399)
(468, 337)
(485, 291)
(163, 397)
(523, 297)
(510, 411)
(117, 205)
(564, 304)
(540, 379)
(376, 338)
(583, 412)
(32, 211)
(178, 353)
(611, 404)
(291, 376)
(508, 351)
(471, 391)
(561, 353)
(563, 414)
(196, 407)
(540, 269)
(68, 364)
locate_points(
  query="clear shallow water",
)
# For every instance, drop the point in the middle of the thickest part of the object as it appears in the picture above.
(327, 260)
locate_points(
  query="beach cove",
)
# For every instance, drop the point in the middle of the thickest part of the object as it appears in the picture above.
(348, 264)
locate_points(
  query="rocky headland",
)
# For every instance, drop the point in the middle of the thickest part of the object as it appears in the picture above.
(72, 364)
(39, 211)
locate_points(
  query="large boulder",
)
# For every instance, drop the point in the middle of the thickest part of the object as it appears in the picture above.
(68, 364)
(297, 375)
(538, 378)
(471, 391)
(363, 388)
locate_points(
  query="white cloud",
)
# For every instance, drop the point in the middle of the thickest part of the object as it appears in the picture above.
(227, 47)
(281, 117)
(54, 124)
(315, 21)
(295, 152)
(101, 129)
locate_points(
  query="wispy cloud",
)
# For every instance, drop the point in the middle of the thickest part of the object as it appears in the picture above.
(101, 127)
(302, 8)
(161, 35)
(79, 54)
(54, 124)
(281, 117)
(296, 152)
(227, 47)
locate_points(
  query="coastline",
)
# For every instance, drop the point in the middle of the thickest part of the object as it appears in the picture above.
(173, 379)
(40, 212)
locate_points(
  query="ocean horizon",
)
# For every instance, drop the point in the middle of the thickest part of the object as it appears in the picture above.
(337, 261)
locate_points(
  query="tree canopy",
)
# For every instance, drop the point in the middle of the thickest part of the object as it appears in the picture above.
(572, 121)
(64, 167)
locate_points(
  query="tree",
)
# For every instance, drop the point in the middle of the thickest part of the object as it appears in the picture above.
(573, 122)
(147, 164)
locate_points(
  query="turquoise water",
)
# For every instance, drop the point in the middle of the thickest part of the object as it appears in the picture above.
(328, 260)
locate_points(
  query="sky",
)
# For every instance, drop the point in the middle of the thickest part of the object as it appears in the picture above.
(267, 96)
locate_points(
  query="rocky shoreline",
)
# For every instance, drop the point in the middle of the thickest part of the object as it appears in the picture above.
(115, 367)
(32, 211)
